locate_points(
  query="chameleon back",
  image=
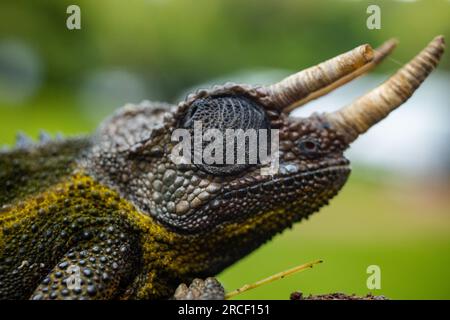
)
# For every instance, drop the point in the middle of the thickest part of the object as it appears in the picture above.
(29, 170)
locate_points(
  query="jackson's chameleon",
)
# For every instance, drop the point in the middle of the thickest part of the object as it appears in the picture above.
(111, 216)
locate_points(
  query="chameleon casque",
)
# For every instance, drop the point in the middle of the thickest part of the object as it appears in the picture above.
(109, 216)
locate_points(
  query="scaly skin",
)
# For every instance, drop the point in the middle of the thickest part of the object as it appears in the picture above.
(111, 216)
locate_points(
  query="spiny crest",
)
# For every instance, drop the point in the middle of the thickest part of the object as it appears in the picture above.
(24, 142)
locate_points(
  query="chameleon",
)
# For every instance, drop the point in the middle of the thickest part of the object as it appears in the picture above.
(111, 216)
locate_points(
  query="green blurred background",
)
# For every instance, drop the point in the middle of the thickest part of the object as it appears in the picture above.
(66, 81)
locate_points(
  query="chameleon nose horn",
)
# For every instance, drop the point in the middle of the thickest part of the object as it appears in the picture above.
(366, 111)
(318, 80)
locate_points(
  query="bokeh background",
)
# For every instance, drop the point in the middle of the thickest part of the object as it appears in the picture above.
(395, 210)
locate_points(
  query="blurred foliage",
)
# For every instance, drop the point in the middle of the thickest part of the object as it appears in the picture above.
(179, 43)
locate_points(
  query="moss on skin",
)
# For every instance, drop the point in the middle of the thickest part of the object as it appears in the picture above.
(28, 171)
(79, 222)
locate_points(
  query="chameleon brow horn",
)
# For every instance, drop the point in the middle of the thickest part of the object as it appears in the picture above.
(318, 80)
(366, 111)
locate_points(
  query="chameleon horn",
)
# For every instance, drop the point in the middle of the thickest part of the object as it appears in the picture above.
(316, 81)
(359, 116)
(379, 54)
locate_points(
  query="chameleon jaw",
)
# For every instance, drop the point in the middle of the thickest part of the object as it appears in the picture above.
(289, 187)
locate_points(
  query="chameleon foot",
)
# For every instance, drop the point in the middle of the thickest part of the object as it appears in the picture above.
(209, 289)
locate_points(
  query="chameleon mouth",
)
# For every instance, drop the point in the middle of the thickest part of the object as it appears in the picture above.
(290, 169)
(284, 190)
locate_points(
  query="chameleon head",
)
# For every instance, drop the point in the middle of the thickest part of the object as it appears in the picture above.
(135, 147)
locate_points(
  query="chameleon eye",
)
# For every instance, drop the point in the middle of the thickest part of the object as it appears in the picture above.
(225, 112)
(309, 146)
(222, 113)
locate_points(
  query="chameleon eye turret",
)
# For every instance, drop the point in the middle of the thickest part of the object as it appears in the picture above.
(225, 113)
